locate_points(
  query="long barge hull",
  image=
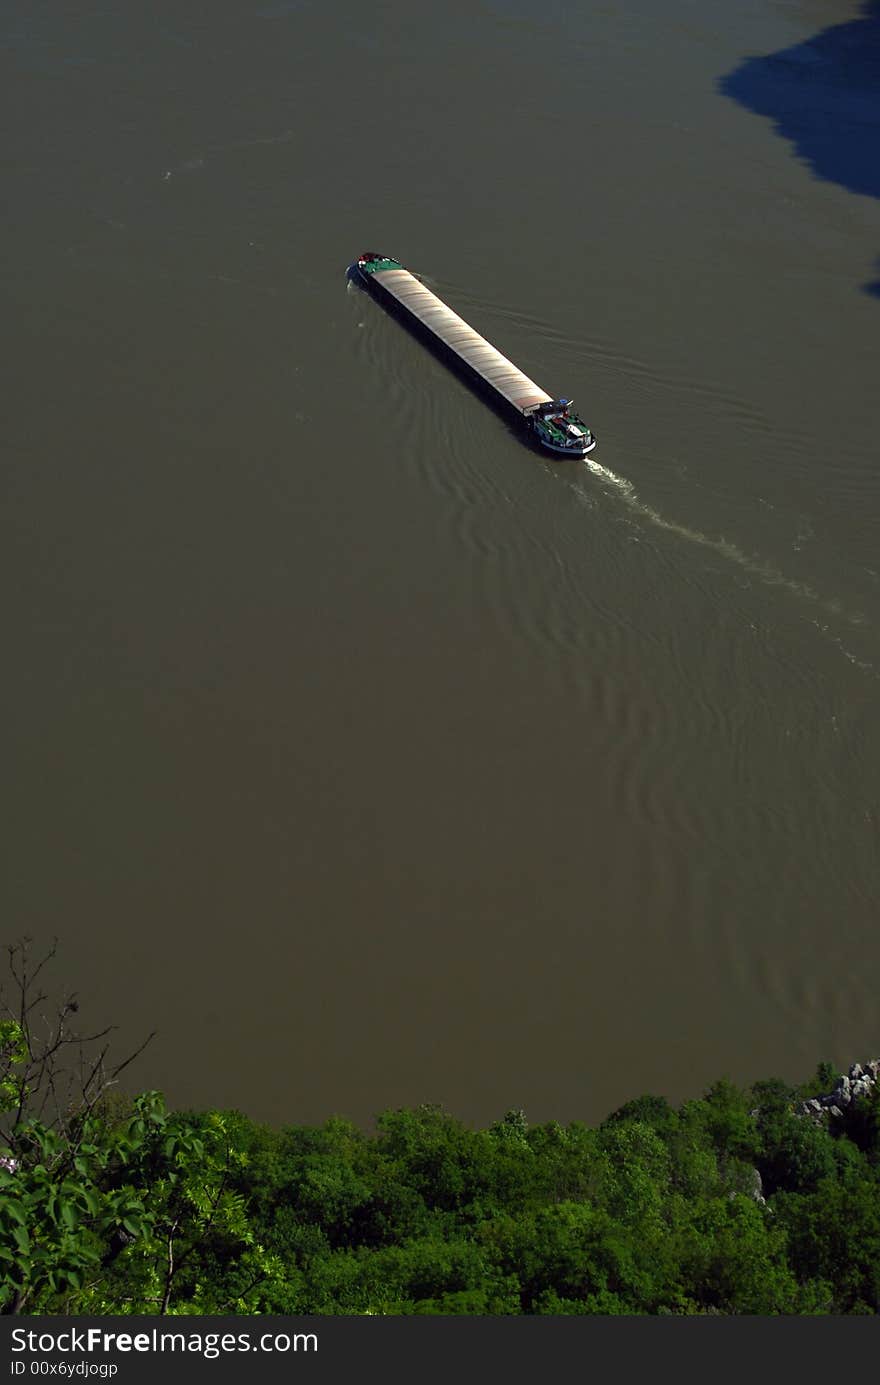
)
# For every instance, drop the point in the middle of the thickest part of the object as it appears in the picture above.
(554, 423)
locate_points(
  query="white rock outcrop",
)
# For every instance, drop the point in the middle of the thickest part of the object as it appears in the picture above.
(861, 1080)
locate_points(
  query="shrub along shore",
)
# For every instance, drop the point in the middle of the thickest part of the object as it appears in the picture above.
(763, 1200)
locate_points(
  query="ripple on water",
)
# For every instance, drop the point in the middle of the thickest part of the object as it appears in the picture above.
(493, 527)
(489, 525)
(679, 741)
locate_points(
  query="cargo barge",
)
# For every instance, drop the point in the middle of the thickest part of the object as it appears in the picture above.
(553, 422)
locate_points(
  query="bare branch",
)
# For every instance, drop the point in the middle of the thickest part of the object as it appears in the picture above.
(130, 1059)
(49, 1083)
(172, 1268)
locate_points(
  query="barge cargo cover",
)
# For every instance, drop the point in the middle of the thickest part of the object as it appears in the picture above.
(554, 422)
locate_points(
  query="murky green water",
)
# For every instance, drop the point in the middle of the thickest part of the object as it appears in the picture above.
(372, 757)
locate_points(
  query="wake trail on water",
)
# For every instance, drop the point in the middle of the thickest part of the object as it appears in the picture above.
(751, 564)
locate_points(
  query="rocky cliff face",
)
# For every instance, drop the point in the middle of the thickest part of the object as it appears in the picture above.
(861, 1080)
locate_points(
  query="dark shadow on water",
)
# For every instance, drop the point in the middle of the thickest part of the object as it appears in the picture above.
(824, 96)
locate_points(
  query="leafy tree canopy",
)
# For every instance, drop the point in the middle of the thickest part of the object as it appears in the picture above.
(733, 1203)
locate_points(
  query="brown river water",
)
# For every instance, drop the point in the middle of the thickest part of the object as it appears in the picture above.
(369, 755)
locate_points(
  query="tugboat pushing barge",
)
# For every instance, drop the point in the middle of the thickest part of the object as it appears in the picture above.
(553, 422)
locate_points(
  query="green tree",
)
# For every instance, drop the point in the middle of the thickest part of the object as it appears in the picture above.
(198, 1252)
(64, 1198)
(64, 1194)
(733, 1259)
(834, 1235)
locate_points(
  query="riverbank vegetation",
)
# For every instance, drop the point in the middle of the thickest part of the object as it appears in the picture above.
(732, 1203)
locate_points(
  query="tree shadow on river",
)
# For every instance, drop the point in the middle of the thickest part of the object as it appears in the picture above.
(824, 96)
